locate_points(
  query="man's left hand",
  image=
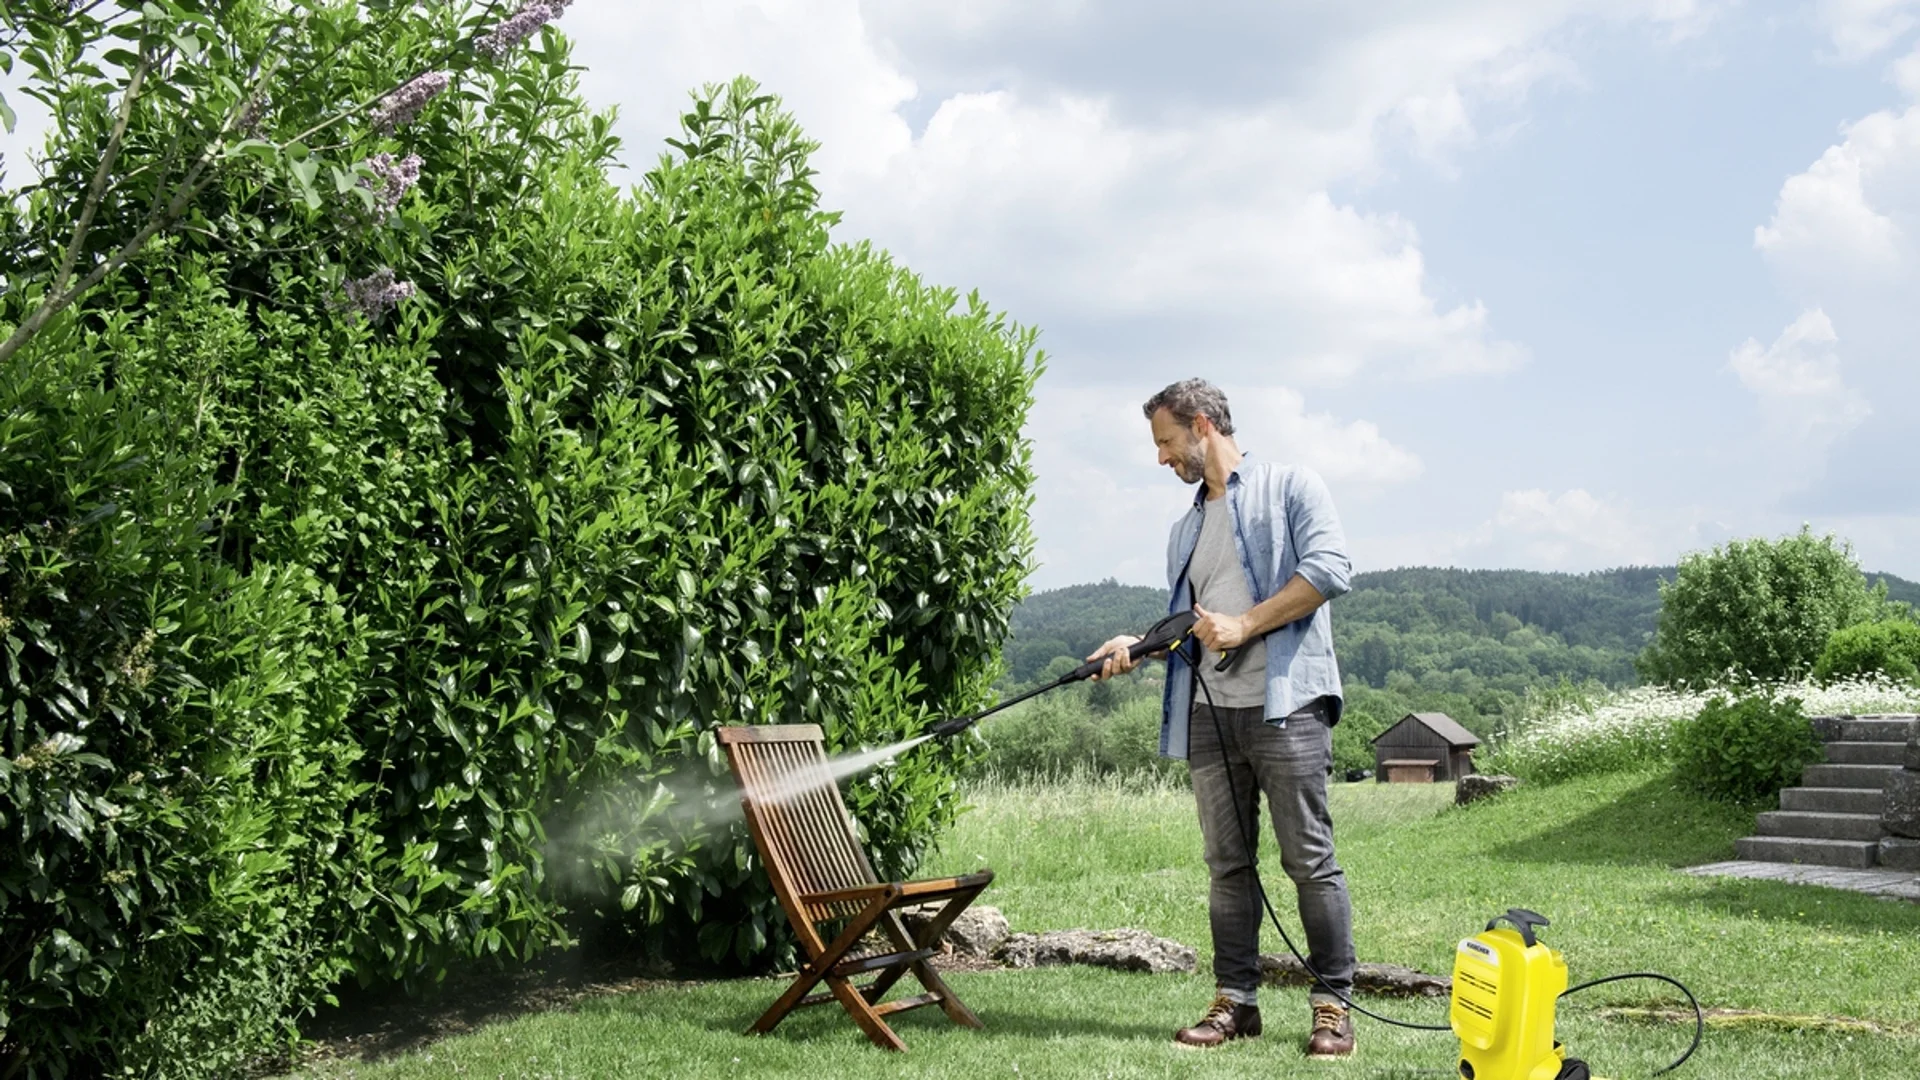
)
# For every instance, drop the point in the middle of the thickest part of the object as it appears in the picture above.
(1219, 632)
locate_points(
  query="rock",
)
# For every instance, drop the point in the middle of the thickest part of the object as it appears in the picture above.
(1121, 950)
(976, 932)
(1899, 853)
(1830, 728)
(1471, 788)
(1913, 745)
(1392, 979)
(1900, 807)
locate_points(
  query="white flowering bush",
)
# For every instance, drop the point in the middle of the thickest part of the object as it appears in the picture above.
(1634, 728)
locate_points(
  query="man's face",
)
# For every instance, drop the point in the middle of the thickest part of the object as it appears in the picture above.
(1180, 446)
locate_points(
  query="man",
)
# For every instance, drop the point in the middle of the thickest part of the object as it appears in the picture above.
(1257, 558)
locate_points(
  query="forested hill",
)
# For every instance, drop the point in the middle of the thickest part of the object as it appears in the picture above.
(1509, 628)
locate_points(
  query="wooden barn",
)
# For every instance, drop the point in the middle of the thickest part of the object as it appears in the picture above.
(1423, 748)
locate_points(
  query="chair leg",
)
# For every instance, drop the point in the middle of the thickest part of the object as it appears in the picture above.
(950, 1002)
(818, 968)
(808, 978)
(862, 1012)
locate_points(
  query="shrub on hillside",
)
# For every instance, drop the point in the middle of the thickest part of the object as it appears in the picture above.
(1890, 648)
(1757, 610)
(1745, 748)
(1060, 735)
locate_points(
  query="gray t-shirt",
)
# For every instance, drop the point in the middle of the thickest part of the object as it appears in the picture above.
(1220, 586)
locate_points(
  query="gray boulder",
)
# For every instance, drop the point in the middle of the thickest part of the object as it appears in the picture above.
(1900, 807)
(1471, 788)
(1121, 950)
(1913, 745)
(976, 932)
(1899, 853)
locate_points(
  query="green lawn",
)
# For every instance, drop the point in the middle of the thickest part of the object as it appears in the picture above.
(1594, 856)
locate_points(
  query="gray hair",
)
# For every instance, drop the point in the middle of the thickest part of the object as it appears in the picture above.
(1189, 398)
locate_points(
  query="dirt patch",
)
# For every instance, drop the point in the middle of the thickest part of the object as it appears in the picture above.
(375, 1026)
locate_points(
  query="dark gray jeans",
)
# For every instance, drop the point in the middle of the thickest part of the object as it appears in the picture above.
(1290, 764)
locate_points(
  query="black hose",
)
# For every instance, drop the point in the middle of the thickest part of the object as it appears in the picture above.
(1699, 1017)
(1247, 845)
(1253, 867)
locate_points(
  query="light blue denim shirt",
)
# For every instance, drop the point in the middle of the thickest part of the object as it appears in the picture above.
(1283, 524)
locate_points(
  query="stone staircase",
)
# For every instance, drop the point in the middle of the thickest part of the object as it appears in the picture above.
(1834, 818)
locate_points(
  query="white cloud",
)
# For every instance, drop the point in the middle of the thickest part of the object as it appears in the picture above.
(1537, 529)
(1103, 502)
(1861, 28)
(1797, 380)
(1094, 197)
(1826, 219)
(1574, 528)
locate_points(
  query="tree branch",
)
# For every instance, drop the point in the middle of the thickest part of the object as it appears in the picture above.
(99, 187)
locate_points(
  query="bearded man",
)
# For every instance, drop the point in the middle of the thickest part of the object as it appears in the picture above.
(1256, 557)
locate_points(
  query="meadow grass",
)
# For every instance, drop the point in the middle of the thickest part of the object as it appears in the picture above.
(1598, 857)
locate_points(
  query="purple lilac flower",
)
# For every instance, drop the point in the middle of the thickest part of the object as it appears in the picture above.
(252, 114)
(517, 27)
(398, 108)
(391, 180)
(377, 293)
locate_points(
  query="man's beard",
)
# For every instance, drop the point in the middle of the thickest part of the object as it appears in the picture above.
(1191, 464)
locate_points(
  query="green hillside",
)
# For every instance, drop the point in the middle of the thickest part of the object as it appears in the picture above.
(1471, 643)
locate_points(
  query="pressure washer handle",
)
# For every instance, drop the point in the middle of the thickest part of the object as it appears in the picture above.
(1162, 635)
(1523, 921)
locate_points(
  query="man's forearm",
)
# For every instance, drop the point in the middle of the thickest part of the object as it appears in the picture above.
(1296, 600)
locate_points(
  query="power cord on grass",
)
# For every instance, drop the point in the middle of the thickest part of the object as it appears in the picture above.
(1247, 845)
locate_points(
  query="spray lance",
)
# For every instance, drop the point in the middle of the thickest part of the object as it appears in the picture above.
(1505, 981)
(1165, 634)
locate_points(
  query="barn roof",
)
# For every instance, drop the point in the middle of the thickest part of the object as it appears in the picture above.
(1440, 724)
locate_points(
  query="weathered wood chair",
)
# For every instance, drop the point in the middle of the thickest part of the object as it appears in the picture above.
(828, 888)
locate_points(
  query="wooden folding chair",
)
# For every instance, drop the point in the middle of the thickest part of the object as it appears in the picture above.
(828, 888)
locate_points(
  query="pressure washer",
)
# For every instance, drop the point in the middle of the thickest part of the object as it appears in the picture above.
(1506, 981)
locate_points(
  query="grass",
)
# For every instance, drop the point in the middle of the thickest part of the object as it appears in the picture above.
(1595, 856)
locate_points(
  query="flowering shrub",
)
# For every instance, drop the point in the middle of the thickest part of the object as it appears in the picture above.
(1635, 728)
(315, 628)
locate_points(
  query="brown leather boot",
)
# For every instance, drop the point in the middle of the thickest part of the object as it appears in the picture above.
(1332, 1031)
(1225, 1019)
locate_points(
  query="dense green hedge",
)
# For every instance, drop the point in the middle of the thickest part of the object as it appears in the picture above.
(335, 647)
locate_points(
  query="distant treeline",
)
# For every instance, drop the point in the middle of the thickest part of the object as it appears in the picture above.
(1471, 643)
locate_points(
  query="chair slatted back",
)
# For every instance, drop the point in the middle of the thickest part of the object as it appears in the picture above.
(794, 807)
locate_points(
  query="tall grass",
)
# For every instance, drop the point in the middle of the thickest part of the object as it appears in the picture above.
(1586, 734)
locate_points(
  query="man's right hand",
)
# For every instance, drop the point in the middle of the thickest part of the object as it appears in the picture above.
(1118, 662)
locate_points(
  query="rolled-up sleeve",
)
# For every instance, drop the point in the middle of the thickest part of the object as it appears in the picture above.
(1320, 544)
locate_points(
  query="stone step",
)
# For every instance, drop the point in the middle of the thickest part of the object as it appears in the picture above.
(1866, 753)
(1818, 826)
(1855, 854)
(1850, 776)
(1872, 729)
(1832, 800)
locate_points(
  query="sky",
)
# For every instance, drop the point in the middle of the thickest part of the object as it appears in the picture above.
(1541, 284)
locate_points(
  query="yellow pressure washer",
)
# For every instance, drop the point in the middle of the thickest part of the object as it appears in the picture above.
(1505, 984)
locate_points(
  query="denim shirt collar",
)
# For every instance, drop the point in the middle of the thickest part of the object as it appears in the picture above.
(1233, 481)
